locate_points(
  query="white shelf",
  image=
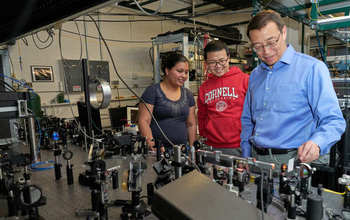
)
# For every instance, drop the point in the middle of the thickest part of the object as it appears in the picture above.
(66, 104)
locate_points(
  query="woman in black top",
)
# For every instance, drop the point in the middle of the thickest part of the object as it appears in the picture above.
(172, 105)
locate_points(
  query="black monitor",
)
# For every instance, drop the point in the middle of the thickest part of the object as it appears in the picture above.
(118, 117)
(123, 115)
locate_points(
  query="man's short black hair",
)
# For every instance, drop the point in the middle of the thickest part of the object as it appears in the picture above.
(213, 46)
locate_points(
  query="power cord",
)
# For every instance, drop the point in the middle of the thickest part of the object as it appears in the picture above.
(50, 36)
(119, 41)
(66, 82)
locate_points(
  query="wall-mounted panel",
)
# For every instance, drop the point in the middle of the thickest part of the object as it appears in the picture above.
(74, 74)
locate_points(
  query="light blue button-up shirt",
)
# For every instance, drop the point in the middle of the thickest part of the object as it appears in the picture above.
(289, 104)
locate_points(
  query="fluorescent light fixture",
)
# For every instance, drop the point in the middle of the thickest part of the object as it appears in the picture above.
(333, 20)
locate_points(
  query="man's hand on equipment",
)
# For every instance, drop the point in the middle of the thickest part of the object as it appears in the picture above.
(309, 151)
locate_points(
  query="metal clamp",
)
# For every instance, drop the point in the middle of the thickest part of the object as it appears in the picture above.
(217, 155)
(106, 94)
(67, 155)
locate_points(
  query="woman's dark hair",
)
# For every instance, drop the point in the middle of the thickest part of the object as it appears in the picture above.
(214, 46)
(261, 19)
(171, 59)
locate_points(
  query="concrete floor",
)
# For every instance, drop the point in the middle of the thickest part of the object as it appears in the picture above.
(64, 200)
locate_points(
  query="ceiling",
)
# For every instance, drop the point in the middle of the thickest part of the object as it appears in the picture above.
(296, 9)
(20, 17)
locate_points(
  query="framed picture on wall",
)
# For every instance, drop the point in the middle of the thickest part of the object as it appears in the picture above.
(42, 73)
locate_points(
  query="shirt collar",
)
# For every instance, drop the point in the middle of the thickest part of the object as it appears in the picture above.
(286, 58)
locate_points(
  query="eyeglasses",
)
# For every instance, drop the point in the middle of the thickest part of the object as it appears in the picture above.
(221, 62)
(271, 43)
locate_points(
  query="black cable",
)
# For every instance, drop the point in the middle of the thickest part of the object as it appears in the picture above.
(41, 48)
(150, 54)
(43, 41)
(119, 41)
(81, 45)
(62, 57)
(99, 38)
(25, 41)
(95, 126)
(188, 2)
(300, 4)
(65, 77)
(128, 21)
(183, 15)
(118, 14)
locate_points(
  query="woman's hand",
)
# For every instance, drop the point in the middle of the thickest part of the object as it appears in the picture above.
(150, 143)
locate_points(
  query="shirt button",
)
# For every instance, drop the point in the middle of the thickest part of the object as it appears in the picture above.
(267, 88)
(264, 103)
(261, 119)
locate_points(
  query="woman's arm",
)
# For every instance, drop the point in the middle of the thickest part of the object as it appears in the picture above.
(191, 125)
(144, 121)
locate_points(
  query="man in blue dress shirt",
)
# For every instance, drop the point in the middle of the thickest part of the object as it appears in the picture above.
(291, 109)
